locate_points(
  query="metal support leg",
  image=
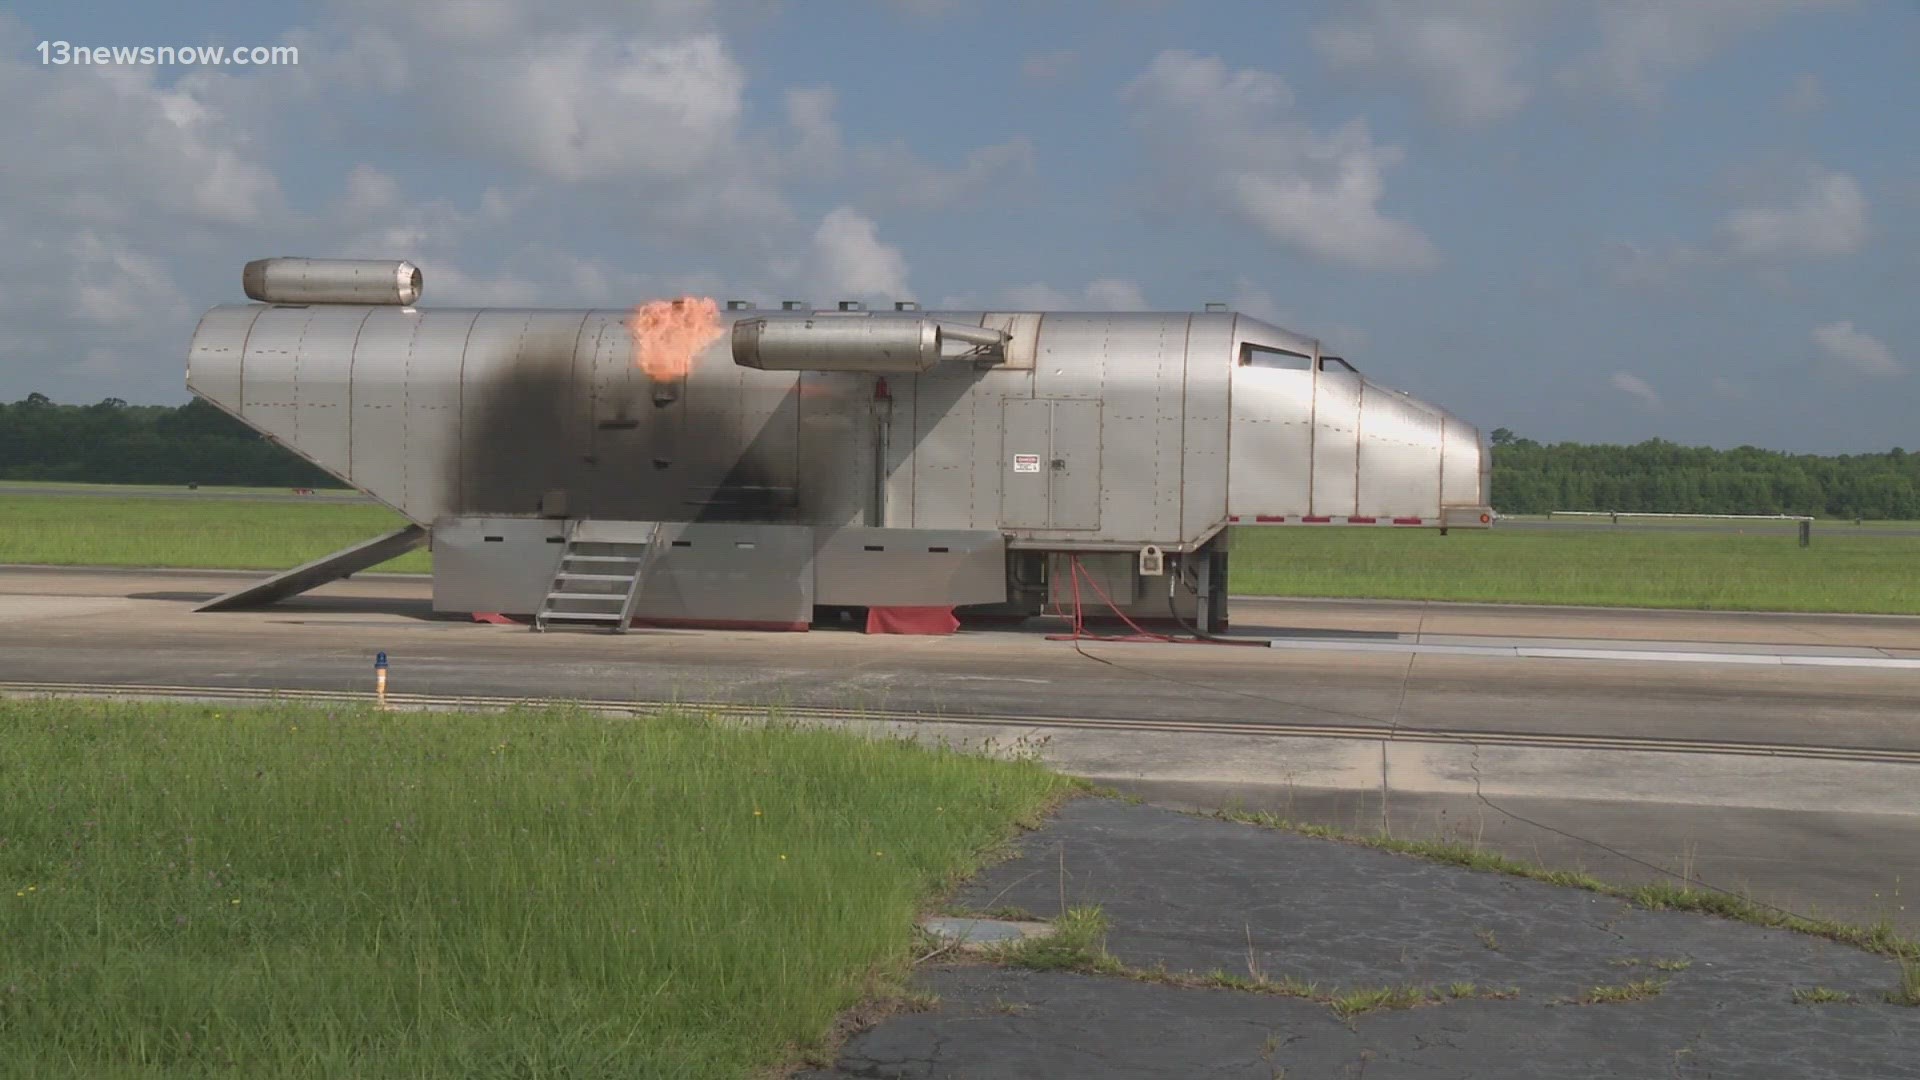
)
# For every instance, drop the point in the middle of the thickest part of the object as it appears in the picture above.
(1203, 589)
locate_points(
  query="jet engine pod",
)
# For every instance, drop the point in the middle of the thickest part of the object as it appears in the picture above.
(831, 341)
(332, 281)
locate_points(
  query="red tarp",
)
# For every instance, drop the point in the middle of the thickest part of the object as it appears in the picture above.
(911, 620)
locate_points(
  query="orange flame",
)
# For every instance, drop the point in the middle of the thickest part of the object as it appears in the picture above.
(668, 334)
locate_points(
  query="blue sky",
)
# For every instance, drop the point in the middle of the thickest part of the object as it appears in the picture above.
(1695, 219)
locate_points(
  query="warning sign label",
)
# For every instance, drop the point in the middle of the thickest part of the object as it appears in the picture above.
(1026, 463)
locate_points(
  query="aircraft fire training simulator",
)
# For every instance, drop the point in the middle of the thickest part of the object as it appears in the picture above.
(691, 463)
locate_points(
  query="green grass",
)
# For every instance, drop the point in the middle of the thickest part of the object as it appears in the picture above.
(1821, 995)
(1908, 992)
(89, 530)
(1079, 944)
(55, 486)
(1845, 569)
(193, 891)
(1638, 990)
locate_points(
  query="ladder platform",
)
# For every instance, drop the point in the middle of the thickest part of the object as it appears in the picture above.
(632, 543)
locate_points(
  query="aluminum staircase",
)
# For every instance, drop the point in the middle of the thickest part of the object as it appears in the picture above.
(598, 579)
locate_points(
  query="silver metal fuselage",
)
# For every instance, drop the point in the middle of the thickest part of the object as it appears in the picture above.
(1148, 428)
(1084, 436)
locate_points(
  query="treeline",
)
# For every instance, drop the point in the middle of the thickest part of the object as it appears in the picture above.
(113, 442)
(116, 443)
(1662, 477)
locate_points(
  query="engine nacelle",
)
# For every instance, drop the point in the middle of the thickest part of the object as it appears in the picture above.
(332, 281)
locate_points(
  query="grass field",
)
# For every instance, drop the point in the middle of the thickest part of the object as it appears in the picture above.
(298, 892)
(1848, 568)
(88, 530)
(1842, 571)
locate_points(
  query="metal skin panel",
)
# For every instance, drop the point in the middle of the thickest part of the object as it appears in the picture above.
(275, 398)
(1208, 398)
(1336, 443)
(515, 442)
(902, 442)
(1273, 436)
(1075, 454)
(716, 573)
(322, 389)
(214, 359)
(429, 470)
(1143, 498)
(1024, 330)
(1399, 469)
(1026, 430)
(863, 567)
(835, 440)
(737, 572)
(494, 565)
(944, 403)
(1464, 462)
(378, 400)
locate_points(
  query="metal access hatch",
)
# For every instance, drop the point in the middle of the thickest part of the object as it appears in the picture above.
(1050, 462)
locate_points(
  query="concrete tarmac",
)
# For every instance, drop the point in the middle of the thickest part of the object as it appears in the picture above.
(1797, 782)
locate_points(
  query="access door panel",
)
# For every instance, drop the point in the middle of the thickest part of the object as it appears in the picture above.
(1050, 451)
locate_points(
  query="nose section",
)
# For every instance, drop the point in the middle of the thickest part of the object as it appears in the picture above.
(215, 359)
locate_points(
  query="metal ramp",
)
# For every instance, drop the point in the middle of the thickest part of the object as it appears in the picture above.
(599, 575)
(343, 563)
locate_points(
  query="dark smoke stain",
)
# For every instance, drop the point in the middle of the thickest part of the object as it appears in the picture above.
(521, 438)
(626, 449)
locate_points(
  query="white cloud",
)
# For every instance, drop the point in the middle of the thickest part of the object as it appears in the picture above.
(1857, 350)
(580, 106)
(1636, 387)
(1114, 294)
(1463, 57)
(1825, 215)
(850, 260)
(1645, 43)
(894, 174)
(1104, 294)
(1232, 138)
(113, 284)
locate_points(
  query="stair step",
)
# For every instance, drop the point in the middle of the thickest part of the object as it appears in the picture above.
(608, 546)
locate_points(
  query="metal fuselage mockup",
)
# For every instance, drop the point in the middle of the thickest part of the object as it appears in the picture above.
(871, 459)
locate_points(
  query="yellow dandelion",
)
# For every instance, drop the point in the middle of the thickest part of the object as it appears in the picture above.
(235, 900)
(756, 811)
(783, 858)
(33, 888)
(23, 892)
(879, 854)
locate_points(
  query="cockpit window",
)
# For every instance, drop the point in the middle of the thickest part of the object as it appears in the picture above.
(1263, 357)
(1338, 365)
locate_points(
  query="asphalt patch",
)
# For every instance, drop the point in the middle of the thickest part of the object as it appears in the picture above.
(1191, 896)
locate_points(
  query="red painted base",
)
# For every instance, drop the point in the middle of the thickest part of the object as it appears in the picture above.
(935, 621)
